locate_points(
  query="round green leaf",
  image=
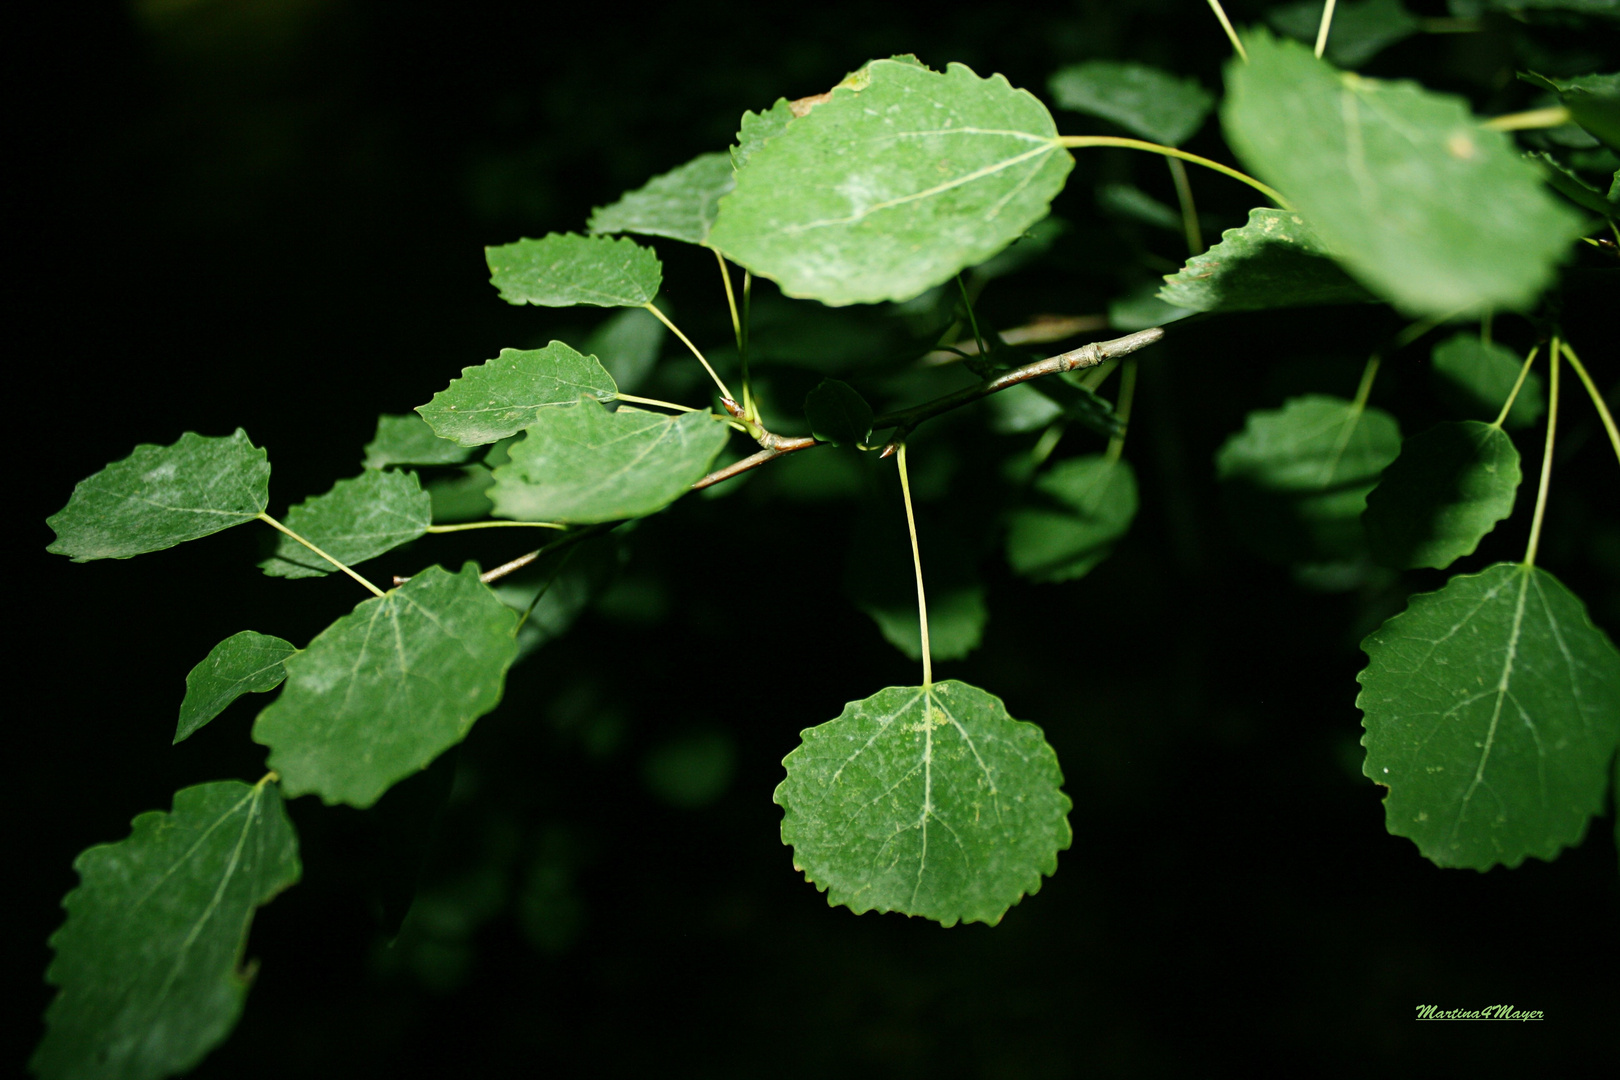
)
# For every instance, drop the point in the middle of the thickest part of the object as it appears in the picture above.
(245, 663)
(359, 519)
(1081, 509)
(902, 178)
(563, 270)
(161, 496)
(501, 397)
(930, 802)
(1475, 378)
(1491, 708)
(1449, 487)
(408, 440)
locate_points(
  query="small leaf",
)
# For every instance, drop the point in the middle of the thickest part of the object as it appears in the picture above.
(951, 169)
(564, 270)
(408, 440)
(245, 663)
(680, 204)
(1449, 487)
(1359, 32)
(501, 397)
(1492, 708)
(930, 802)
(1143, 100)
(161, 496)
(579, 464)
(627, 345)
(1421, 204)
(838, 414)
(389, 687)
(358, 519)
(956, 621)
(1569, 184)
(149, 962)
(1274, 261)
(1295, 479)
(462, 497)
(1475, 378)
(1084, 506)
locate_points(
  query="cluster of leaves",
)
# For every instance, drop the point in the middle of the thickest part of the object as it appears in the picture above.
(1492, 707)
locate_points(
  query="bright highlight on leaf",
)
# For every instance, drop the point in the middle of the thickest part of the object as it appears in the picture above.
(389, 687)
(503, 396)
(149, 963)
(161, 496)
(358, 519)
(1475, 379)
(681, 204)
(903, 177)
(1421, 204)
(563, 270)
(1437, 500)
(1274, 261)
(1082, 507)
(1145, 101)
(245, 663)
(926, 802)
(579, 464)
(1492, 708)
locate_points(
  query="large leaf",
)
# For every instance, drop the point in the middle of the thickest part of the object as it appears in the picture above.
(903, 177)
(501, 397)
(1274, 261)
(161, 496)
(1081, 509)
(1360, 31)
(244, 663)
(579, 463)
(1492, 708)
(1449, 487)
(358, 519)
(1420, 203)
(389, 687)
(680, 204)
(930, 802)
(408, 440)
(564, 269)
(149, 962)
(1476, 377)
(1295, 479)
(1141, 99)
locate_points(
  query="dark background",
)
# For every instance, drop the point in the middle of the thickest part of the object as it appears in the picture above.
(271, 214)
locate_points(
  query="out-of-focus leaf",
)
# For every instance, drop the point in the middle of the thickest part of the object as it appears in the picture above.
(408, 440)
(1079, 511)
(1143, 100)
(626, 345)
(1437, 500)
(1475, 378)
(1274, 261)
(1359, 32)
(838, 414)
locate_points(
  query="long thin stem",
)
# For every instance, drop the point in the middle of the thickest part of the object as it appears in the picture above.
(916, 561)
(1122, 409)
(973, 321)
(1189, 211)
(737, 329)
(1546, 460)
(1524, 370)
(550, 581)
(1597, 398)
(495, 525)
(1322, 31)
(655, 402)
(1557, 116)
(1080, 141)
(565, 541)
(1226, 24)
(724, 391)
(279, 527)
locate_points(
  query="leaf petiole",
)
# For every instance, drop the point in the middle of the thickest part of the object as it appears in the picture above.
(916, 561)
(279, 527)
(1322, 31)
(724, 391)
(1597, 398)
(1226, 24)
(1081, 141)
(1524, 370)
(1122, 409)
(1546, 460)
(494, 525)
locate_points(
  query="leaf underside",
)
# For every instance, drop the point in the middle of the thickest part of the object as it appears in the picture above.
(1492, 708)
(1437, 500)
(503, 396)
(359, 519)
(244, 663)
(563, 270)
(926, 802)
(1274, 261)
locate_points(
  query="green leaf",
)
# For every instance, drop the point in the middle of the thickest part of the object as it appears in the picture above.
(956, 620)
(149, 962)
(880, 580)
(930, 802)
(579, 464)
(358, 519)
(462, 497)
(680, 204)
(1593, 102)
(901, 179)
(1475, 378)
(756, 128)
(564, 269)
(1449, 487)
(838, 414)
(1568, 184)
(1359, 32)
(1295, 479)
(1143, 100)
(1421, 204)
(1131, 202)
(245, 663)
(1492, 708)
(501, 397)
(627, 344)
(1274, 261)
(408, 440)
(1083, 506)
(1141, 308)
(389, 687)
(161, 496)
